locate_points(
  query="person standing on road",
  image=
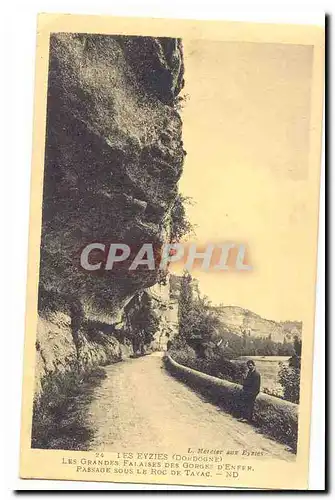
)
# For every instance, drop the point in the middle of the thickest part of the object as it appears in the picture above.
(251, 388)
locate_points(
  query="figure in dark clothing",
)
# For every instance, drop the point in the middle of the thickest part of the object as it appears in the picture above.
(251, 388)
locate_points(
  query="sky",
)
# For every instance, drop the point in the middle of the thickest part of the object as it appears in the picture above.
(246, 133)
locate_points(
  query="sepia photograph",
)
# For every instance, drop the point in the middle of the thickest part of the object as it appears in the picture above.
(173, 293)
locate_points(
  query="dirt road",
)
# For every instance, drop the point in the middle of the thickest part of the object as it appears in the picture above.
(140, 407)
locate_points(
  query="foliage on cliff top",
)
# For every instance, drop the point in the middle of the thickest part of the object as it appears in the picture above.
(181, 226)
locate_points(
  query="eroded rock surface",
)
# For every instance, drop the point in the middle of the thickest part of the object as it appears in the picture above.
(114, 155)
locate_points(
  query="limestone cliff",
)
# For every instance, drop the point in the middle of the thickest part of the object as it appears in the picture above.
(113, 157)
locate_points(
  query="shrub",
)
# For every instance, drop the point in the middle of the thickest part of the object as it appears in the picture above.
(289, 377)
(214, 363)
(58, 412)
(278, 419)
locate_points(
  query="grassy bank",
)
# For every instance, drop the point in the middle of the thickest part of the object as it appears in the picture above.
(59, 413)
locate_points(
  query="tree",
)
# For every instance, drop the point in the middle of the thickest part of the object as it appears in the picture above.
(198, 320)
(289, 376)
(180, 225)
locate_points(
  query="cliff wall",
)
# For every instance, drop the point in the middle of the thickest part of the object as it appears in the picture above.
(113, 157)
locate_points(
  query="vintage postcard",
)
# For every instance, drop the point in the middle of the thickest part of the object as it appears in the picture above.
(172, 252)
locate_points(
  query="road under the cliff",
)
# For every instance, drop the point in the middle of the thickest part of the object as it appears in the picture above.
(141, 407)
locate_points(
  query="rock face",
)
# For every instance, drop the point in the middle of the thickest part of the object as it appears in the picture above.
(58, 351)
(239, 320)
(114, 155)
(150, 319)
(167, 309)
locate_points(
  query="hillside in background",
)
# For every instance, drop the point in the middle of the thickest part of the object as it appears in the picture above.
(239, 321)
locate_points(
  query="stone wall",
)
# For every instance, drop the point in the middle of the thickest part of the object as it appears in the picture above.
(274, 416)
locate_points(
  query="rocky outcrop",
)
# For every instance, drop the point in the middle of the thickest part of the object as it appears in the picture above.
(150, 319)
(113, 157)
(58, 350)
(55, 349)
(167, 309)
